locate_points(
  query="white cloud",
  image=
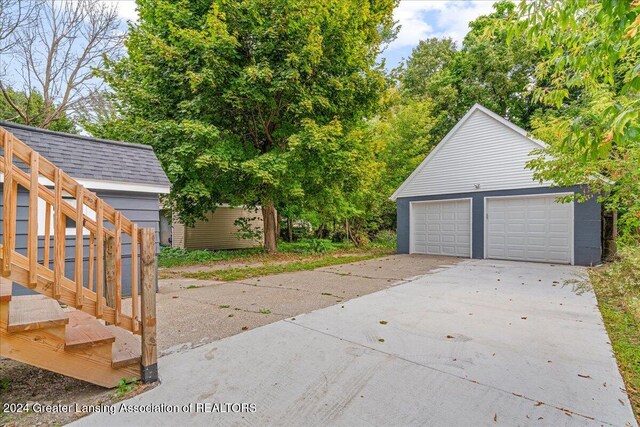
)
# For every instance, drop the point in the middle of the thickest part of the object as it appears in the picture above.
(126, 9)
(421, 19)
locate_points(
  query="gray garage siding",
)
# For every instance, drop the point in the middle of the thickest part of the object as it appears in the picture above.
(141, 208)
(587, 219)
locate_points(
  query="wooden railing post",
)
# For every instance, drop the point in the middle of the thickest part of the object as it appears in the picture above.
(9, 222)
(110, 271)
(148, 282)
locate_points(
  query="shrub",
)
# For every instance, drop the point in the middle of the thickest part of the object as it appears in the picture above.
(385, 239)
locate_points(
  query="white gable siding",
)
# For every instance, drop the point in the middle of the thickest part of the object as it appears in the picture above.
(481, 151)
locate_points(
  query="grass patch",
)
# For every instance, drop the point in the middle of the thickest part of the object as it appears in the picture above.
(176, 257)
(265, 270)
(617, 287)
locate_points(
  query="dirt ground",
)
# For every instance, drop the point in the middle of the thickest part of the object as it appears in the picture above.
(194, 312)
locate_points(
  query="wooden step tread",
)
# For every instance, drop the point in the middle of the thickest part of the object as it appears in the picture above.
(84, 331)
(5, 289)
(126, 350)
(30, 312)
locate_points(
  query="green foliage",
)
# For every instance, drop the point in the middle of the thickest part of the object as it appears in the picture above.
(32, 104)
(125, 386)
(486, 70)
(230, 274)
(5, 384)
(175, 257)
(589, 77)
(617, 287)
(246, 229)
(318, 246)
(253, 102)
(385, 239)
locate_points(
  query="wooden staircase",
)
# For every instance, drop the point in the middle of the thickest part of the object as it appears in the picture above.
(92, 338)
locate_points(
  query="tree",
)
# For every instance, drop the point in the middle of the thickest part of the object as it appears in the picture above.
(53, 58)
(33, 104)
(486, 70)
(250, 102)
(590, 79)
(14, 15)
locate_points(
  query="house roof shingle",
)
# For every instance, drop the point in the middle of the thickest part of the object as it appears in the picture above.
(91, 158)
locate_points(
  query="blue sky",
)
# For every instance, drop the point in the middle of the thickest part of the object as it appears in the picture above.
(422, 19)
(419, 19)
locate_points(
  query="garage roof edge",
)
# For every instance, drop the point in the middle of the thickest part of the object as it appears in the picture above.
(476, 107)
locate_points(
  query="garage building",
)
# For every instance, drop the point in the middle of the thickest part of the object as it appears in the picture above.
(474, 197)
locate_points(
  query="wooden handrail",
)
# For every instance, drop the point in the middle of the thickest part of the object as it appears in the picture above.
(44, 181)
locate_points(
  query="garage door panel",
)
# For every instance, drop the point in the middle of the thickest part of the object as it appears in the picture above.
(449, 227)
(445, 229)
(529, 228)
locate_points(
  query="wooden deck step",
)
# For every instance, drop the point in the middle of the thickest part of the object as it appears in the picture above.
(84, 331)
(31, 312)
(5, 289)
(126, 350)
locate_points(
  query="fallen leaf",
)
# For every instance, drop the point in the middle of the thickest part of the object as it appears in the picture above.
(524, 317)
(450, 336)
(495, 418)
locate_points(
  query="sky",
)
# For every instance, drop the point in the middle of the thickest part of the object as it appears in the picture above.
(419, 20)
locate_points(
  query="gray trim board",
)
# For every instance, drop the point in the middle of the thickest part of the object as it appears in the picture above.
(587, 219)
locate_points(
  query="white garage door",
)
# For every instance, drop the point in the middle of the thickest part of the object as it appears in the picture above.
(535, 228)
(441, 228)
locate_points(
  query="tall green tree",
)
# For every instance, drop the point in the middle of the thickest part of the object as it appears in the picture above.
(250, 102)
(590, 80)
(486, 70)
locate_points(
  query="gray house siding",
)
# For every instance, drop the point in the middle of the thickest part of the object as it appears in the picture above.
(141, 208)
(587, 221)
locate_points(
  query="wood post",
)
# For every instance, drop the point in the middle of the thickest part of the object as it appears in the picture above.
(110, 271)
(79, 253)
(9, 222)
(32, 245)
(148, 291)
(59, 236)
(99, 258)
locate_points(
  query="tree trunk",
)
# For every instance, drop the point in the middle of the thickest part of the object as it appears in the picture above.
(289, 229)
(269, 226)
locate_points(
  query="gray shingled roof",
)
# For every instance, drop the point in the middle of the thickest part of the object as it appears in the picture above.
(91, 158)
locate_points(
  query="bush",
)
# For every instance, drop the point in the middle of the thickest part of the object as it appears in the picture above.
(316, 246)
(385, 239)
(621, 279)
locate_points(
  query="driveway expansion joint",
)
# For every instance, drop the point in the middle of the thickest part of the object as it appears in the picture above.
(377, 350)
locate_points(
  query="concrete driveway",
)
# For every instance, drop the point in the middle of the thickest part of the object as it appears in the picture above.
(476, 343)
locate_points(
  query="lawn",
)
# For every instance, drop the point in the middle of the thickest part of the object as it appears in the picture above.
(265, 270)
(617, 287)
(175, 257)
(307, 254)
